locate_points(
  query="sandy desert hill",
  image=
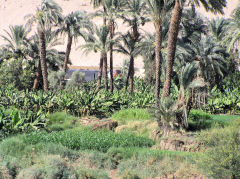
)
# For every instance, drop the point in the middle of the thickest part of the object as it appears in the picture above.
(12, 12)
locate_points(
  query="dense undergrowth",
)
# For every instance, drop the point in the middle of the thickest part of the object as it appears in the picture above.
(82, 153)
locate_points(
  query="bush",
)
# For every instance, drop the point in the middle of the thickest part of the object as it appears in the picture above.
(222, 156)
(17, 73)
(127, 153)
(92, 174)
(129, 175)
(196, 115)
(148, 167)
(198, 120)
(60, 121)
(86, 139)
(49, 166)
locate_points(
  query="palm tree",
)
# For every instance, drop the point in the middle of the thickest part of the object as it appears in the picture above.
(112, 10)
(100, 43)
(48, 13)
(157, 10)
(147, 49)
(210, 57)
(54, 59)
(215, 6)
(187, 75)
(218, 28)
(232, 38)
(134, 16)
(192, 27)
(97, 4)
(74, 25)
(128, 48)
(16, 40)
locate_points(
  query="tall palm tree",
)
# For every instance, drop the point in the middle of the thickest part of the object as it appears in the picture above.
(128, 48)
(147, 49)
(100, 43)
(157, 10)
(54, 59)
(47, 14)
(16, 40)
(111, 12)
(210, 57)
(74, 25)
(134, 16)
(215, 6)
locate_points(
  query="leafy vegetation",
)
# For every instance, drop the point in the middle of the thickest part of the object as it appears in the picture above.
(222, 151)
(192, 65)
(86, 139)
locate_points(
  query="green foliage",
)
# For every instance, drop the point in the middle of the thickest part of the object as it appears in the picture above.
(25, 160)
(56, 80)
(121, 153)
(86, 139)
(51, 166)
(17, 73)
(76, 80)
(129, 175)
(92, 174)
(150, 166)
(198, 120)
(13, 120)
(167, 110)
(196, 115)
(125, 115)
(222, 154)
(60, 121)
(226, 101)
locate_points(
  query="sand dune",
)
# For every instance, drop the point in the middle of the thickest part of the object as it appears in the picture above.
(12, 12)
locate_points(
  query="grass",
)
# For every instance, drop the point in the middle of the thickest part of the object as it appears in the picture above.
(150, 163)
(85, 139)
(200, 120)
(125, 115)
(61, 121)
(127, 153)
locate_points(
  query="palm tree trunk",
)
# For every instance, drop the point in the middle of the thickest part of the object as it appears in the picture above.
(158, 59)
(101, 59)
(100, 72)
(105, 71)
(42, 44)
(171, 47)
(129, 71)
(131, 79)
(37, 77)
(68, 51)
(111, 29)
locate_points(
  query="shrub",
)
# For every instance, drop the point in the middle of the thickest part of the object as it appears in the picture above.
(129, 175)
(196, 115)
(49, 166)
(60, 121)
(199, 119)
(222, 155)
(17, 73)
(86, 139)
(148, 167)
(92, 174)
(127, 153)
